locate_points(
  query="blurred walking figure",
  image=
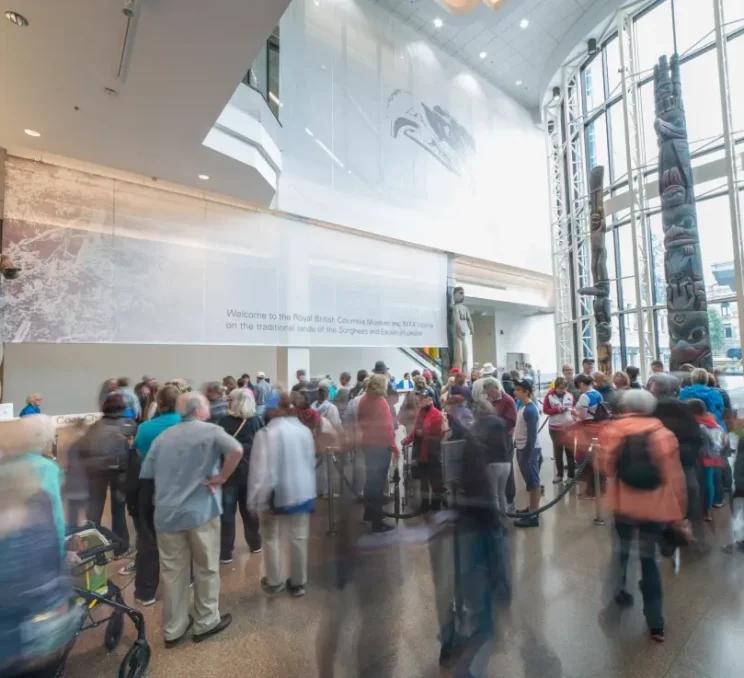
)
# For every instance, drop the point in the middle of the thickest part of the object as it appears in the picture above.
(489, 432)
(646, 490)
(104, 453)
(282, 487)
(377, 441)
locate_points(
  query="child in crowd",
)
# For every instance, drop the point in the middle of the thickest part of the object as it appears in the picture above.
(711, 454)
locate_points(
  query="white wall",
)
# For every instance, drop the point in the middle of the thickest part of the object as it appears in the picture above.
(341, 62)
(69, 376)
(533, 335)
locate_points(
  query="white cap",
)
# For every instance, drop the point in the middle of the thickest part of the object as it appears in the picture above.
(487, 369)
(261, 375)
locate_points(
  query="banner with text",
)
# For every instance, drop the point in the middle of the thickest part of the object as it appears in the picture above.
(108, 261)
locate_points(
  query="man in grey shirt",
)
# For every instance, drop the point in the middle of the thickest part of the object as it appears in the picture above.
(184, 464)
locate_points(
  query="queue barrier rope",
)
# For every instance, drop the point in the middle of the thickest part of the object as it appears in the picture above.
(415, 514)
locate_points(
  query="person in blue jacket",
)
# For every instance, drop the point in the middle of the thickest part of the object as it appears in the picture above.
(711, 396)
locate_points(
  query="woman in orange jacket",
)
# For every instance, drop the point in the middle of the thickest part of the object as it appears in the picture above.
(645, 491)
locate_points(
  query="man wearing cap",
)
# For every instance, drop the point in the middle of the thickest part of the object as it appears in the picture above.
(488, 370)
(528, 449)
(587, 367)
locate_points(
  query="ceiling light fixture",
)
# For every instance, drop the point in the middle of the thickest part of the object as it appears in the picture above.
(518, 83)
(32, 132)
(438, 23)
(524, 23)
(17, 19)
(556, 93)
(483, 55)
(204, 177)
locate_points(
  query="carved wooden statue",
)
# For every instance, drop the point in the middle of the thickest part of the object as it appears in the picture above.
(686, 300)
(462, 332)
(600, 288)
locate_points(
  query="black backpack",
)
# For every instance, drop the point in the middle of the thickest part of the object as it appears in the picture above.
(602, 412)
(635, 467)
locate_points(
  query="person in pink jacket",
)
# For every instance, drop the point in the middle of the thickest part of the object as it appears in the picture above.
(558, 404)
(645, 491)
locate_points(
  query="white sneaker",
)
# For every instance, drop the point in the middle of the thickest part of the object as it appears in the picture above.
(225, 561)
(145, 603)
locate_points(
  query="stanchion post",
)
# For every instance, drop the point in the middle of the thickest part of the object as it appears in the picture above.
(331, 499)
(598, 520)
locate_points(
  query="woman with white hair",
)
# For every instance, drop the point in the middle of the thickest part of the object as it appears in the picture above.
(242, 423)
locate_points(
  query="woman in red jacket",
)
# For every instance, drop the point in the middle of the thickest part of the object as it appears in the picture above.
(377, 441)
(427, 438)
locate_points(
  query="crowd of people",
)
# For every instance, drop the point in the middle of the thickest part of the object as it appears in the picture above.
(182, 463)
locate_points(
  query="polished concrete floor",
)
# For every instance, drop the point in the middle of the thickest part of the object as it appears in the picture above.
(370, 611)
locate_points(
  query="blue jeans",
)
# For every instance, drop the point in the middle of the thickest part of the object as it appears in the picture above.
(377, 463)
(236, 496)
(648, 537)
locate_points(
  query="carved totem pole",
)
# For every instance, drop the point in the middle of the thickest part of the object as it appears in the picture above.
(600, 289)
(687, 305)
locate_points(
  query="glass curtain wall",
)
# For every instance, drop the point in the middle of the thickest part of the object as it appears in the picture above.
(661, 27)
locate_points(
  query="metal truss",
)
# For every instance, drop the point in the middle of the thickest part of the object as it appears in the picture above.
(561, 234)
(641, 236)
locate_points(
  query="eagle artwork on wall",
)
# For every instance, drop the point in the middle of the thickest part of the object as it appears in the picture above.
(431, 128)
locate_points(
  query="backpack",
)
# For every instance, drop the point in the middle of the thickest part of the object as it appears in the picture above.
(635, 466)
(714, 441)
(602, 412)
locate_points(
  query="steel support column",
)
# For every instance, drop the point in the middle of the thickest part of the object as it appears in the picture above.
(731, 165)
(641, 238)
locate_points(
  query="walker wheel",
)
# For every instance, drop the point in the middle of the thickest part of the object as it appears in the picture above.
(136, 660)
(114, 629)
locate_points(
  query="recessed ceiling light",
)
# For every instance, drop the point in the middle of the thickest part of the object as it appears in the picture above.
(438, 23)
(483, 55)
(524, 23)
(316, 3)
(204, 177)
(518, 83)
(32, 132)
(15, 18)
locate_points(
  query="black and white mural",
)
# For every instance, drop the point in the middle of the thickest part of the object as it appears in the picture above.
(431, 128)
(109, 261)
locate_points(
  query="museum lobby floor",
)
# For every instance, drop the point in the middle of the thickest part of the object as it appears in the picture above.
(370, 611)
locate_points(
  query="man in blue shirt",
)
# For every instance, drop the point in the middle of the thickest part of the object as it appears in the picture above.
(184, 466)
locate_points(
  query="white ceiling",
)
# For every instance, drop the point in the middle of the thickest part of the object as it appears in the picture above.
(531, 55)
(186, 59)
